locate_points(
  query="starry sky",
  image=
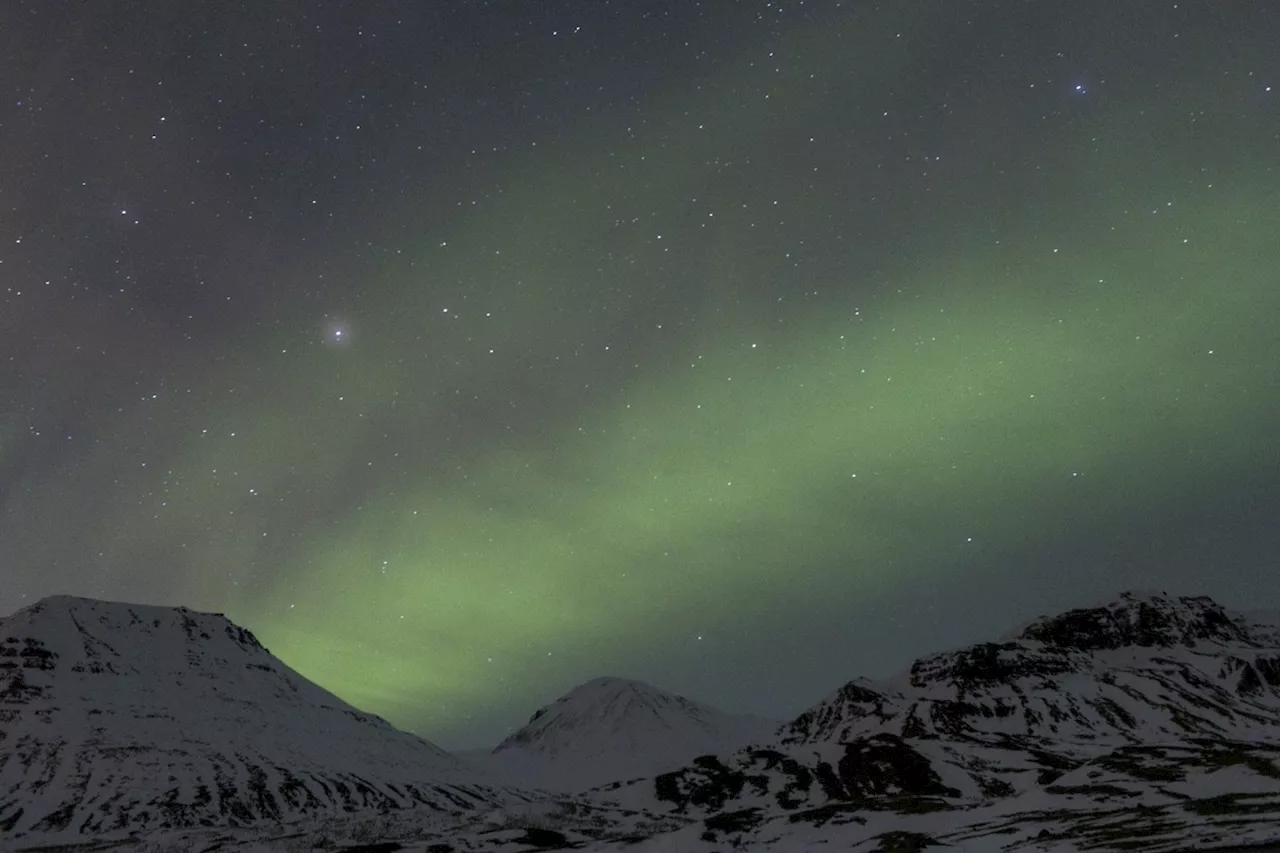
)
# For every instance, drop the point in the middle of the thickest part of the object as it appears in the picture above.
(465, 351)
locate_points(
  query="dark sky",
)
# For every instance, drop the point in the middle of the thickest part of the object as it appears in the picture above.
(467, 351)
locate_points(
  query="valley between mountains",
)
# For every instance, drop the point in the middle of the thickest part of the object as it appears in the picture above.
(1151, 722)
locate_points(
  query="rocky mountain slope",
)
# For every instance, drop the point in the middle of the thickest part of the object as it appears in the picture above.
(118, 717)
(1167, 706)
(1151, 722)
(611, 729)
(1142, 669)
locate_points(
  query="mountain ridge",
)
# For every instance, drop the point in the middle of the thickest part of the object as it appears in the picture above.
(1170, 703)
(1149, 721)
(118, 717)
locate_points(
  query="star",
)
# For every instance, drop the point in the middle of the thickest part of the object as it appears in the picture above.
(337, 333)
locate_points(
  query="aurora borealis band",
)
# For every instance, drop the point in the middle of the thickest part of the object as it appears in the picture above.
(465, 352)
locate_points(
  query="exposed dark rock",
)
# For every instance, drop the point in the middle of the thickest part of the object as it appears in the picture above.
(990, 663)
(845, 812)
(854, 701)
(830, 782)
(1105, 791)
(708, 784)
(800, 778)
(1139, 621)
(9, 821)
(543, 839)
(906, 842)
(742, 820)
(887, 764)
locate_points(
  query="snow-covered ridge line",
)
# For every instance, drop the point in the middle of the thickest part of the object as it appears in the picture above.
(1151, 720)
(1172, 703)
(118, 717)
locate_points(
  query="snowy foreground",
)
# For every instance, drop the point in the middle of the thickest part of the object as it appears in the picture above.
(1149, 723)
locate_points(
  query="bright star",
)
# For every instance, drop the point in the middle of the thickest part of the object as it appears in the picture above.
(337, 333)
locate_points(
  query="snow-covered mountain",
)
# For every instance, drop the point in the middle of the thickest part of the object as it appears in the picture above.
(1150, 722)
(1145, 668)
(1263, 625)
(612, 729)
(1171, 704)
(118, 717)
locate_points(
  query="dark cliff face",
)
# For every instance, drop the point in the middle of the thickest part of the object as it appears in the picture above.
(1254, 677)
(854, 701)
(991, 663)
(878, 766)
(886, 764)
(1152, 621)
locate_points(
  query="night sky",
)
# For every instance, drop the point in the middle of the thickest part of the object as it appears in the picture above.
(468, 351)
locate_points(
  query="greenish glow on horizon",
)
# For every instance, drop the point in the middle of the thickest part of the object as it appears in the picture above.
(984, 396)
(594, 539)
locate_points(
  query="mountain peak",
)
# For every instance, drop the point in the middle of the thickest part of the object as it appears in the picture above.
(613, 681)
(617, 704)
(605, 690)
(608, 685)
(851, 707)
(63, 602)
(608, 728)
(87, 634)
(1139, 618)
(123, 714)
(1086, 674)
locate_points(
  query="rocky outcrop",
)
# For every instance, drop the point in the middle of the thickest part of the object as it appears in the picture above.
(1137, 619)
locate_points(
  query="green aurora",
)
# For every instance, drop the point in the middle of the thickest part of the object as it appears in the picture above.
(987, 399)
(1070, 345)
